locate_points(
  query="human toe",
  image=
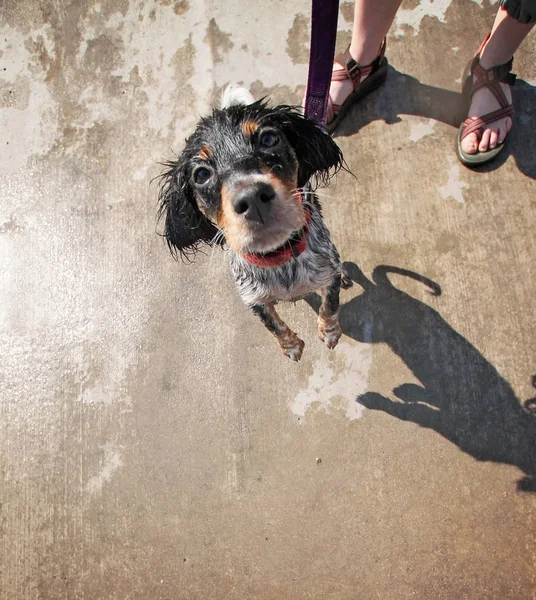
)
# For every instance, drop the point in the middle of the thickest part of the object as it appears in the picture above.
(484, 142)
(493, 138)
(470, 144)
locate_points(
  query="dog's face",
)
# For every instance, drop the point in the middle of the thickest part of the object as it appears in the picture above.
(238, 179)
(244, 180)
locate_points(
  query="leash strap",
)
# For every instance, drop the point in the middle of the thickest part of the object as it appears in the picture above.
(323, 37)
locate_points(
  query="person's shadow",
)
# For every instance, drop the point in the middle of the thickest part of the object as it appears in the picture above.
(461, 396)
(405, 95)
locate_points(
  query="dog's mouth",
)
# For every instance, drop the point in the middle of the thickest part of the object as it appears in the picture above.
(263, 219)
(291, 241)
(270, 237)
(295, 245)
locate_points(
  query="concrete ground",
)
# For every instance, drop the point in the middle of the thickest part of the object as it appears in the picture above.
(155, 442)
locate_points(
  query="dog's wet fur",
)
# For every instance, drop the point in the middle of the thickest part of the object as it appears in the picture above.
(246, 180)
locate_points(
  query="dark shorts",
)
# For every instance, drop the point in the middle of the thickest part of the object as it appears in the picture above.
(523, 11)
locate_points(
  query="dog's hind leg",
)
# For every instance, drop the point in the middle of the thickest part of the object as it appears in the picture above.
(290, 343)
(329, 329)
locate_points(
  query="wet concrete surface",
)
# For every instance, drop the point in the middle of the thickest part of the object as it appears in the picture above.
(155, 443)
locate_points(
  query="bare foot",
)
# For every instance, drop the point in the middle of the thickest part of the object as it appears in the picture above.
(484, 102)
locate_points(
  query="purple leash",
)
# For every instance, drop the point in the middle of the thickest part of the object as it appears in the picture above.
(323, 37)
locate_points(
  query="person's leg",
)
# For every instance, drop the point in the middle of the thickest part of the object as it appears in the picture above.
(372, 20)
(506, 37)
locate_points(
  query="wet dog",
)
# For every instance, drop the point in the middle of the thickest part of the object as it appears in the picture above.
(246, 180)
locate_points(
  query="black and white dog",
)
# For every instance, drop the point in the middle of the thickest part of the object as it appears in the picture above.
(246, 179)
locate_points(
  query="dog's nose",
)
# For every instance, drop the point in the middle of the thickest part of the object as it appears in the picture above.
(254, 201)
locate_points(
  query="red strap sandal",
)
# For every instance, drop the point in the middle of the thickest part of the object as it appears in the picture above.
(365, 80)
(476, 77)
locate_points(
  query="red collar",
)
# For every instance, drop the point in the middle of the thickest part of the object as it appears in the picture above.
(292, 248)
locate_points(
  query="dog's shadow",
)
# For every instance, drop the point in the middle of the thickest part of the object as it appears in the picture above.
(405, 95)
(461, 396)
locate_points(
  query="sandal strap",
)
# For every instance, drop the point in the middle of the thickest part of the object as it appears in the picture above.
(476, 124)
(339, 75)
(355, 72)
(492, 77)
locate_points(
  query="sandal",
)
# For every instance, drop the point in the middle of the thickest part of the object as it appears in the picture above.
(374, 74)
(491, 79)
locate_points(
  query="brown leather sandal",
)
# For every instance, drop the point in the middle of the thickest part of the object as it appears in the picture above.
(374, 74)
(491, 79)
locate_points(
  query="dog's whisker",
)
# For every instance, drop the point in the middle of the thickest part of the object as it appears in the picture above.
(216, 240)
(273, 167)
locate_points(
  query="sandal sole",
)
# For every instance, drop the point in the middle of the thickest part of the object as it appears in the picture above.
(479, 158)
(371, 83)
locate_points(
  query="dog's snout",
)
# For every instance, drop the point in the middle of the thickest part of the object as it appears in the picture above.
(254, 201)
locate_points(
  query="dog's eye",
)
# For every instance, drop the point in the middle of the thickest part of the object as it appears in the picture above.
(201, 175)
(268, 139)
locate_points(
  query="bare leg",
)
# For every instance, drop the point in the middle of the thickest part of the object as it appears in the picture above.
(506, 37)
(290, 343)
(372, 21)
(329, 329)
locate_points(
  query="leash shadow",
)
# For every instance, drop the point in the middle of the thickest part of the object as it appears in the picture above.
(403, 94)
(461, 396)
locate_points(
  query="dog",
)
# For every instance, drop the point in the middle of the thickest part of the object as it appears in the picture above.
(246, 180)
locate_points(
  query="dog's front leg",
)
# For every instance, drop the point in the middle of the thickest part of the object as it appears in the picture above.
(290, 343)
(329, 329)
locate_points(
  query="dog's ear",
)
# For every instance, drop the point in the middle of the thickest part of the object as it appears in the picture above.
(318, 155)
(185, 227)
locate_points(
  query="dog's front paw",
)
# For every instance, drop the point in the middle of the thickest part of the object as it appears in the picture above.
(329, 332)
(292, 347)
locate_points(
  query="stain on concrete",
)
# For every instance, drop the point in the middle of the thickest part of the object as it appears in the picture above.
(134, 77)
(10, 226)
(336, 382)
(28, 119)
(412, 17)
(420, 129)
(455, 185)
(278, 94)
(15, 95)
(181, 7)
(25, 16)
(298, 40)
(347, 11)
(41, 48)
(114, 7)
(447, 242)
(411, 5)
(102, 55)
(111, 462)
(343, 39)
(182, 61)
(220, 42)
